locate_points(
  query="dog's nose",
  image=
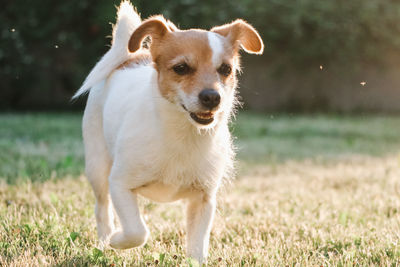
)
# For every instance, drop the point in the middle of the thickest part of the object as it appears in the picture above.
(209, 98)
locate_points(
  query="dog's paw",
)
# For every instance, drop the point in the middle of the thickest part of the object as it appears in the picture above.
(198, 257)
(104, 235)
(122, 240)
(197, 262)
(104, 241)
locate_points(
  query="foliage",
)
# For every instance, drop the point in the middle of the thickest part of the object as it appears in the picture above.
(48, 48)
(303, 29)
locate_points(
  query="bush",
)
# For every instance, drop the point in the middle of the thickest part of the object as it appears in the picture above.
(47, 48)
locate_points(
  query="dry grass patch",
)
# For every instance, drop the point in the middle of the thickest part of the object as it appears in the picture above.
(344, 213)
(312, 190)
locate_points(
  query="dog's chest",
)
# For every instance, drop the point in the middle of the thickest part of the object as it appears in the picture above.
(188, 164)
(176, 175)
(196, 164)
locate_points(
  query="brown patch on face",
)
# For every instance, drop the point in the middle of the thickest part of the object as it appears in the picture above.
(192, 48)
(171, 47)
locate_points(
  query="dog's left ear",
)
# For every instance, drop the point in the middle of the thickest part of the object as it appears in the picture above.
(241, 34)
(156, 27)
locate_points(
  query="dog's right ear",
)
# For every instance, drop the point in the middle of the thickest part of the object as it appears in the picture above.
(156, 27)
(241, 35)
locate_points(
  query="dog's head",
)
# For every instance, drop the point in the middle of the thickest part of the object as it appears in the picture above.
(196, 68)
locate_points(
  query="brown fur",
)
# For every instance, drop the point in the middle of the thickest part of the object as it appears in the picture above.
(171, 46)
(241, 33)
(156, 27)
(190, 47)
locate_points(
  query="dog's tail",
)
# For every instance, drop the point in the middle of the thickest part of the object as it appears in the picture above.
(127, 21)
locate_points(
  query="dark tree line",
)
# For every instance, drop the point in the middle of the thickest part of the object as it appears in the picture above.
(47, 47)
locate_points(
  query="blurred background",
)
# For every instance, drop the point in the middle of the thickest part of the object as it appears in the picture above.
(330, 56)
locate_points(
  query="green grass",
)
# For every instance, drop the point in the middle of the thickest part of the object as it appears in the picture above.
(264, 138)
(311, 191)
(38, 147)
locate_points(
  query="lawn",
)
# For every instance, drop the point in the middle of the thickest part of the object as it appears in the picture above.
(311, 190)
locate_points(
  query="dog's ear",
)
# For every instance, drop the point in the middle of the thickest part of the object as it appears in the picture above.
(241, 34)
(156, 27)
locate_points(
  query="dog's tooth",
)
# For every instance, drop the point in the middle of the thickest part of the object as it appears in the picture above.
(204, 116)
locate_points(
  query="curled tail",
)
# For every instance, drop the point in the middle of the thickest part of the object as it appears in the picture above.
(127, 21)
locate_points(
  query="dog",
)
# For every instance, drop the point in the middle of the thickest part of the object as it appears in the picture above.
(156, 123)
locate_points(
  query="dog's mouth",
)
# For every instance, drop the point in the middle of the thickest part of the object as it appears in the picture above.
(203, 118)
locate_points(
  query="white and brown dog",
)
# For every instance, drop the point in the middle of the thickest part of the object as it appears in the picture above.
(156, 123)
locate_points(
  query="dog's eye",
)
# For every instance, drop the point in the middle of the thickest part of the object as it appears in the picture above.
(224, 69)
(182, 69)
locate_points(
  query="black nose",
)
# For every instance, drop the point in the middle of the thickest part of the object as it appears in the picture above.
(209, 98)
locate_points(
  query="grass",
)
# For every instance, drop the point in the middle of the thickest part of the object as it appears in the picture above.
(311, 191)
(38, 147)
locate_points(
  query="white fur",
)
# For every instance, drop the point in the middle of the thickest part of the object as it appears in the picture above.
(153, 150)
(215, 42)
(127, 21)
(139, 143)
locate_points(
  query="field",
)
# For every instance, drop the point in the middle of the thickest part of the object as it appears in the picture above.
(321, 190)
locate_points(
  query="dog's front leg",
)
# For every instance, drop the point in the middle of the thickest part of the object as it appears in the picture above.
(134, 231)
(200, 213)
